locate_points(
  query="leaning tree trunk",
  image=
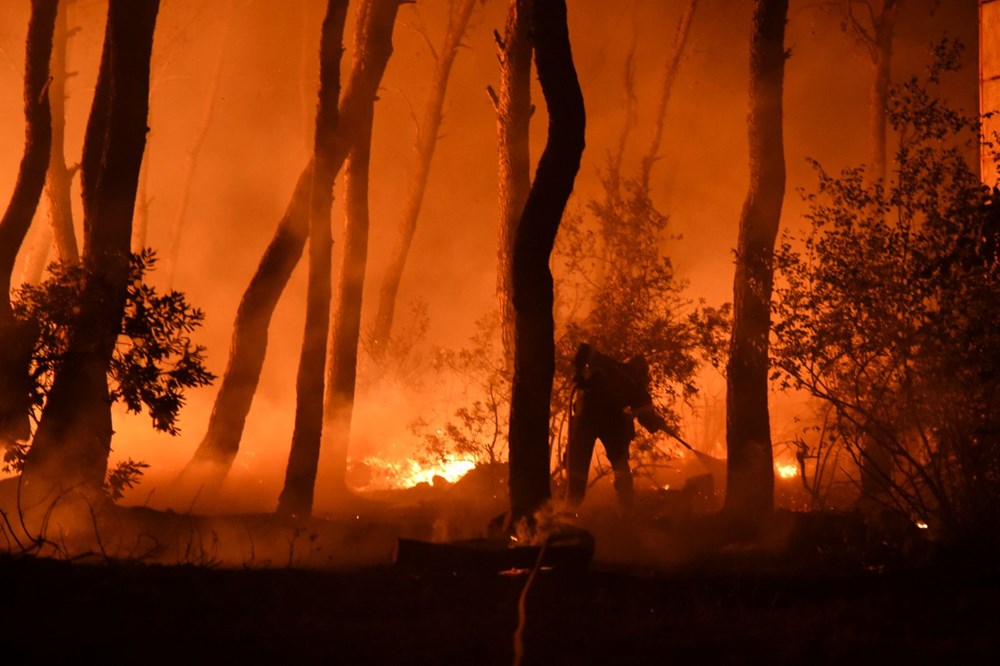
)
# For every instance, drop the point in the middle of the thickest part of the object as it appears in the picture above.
(750, 486)
(376, 21)
(16, 337)
(74, 435)
(60, 177)
(666, 88)
(214, 456)
(534, 334)
(194, 152)
(427, 138)
(513, 107)
(297, 497)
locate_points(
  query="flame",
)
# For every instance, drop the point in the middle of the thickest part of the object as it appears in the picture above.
(407, 473)
(787, 471)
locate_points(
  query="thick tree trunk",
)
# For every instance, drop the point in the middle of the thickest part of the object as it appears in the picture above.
(16, 337)
(534, 345)
(513, 106)
(427, 138)
(750, 488)
(60, 177)
(74, 435)
(347, 322)
(666, 88)
(376, 21)
(296, 499)
(214, 456)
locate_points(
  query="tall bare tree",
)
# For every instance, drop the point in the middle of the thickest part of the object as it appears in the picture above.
(73, 439)
(750, 487)
(16, 337)
(296, 499)
(531, 278)
(513, 107)
(214, 456)
(459, 14)
(874, 30)
(60, 176)
(200, 134)
(376, 20)
(343, 370)
(670, 70)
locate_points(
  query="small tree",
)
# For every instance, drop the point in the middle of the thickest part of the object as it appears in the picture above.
(617, 290)
(887, 313)
(154, 360)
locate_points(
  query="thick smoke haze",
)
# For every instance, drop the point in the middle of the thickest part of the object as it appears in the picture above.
(259, 132)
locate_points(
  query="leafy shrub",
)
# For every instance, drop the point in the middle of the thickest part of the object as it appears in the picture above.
(887, 313)
(154, 361)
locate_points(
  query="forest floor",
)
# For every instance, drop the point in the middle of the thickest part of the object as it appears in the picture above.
(728, 610)
(664, 586)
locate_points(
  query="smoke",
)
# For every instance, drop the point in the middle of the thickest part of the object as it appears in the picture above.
(257, 142)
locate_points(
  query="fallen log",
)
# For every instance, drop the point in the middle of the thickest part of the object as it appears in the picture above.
(564, 552)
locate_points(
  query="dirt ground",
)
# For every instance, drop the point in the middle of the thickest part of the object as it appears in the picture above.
(54, 611)
(802, 593)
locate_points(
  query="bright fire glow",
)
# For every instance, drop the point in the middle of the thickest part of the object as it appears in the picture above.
(407, 473)
(787, 471)
(922, 525)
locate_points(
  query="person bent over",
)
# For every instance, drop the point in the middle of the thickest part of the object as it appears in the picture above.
(610, 395)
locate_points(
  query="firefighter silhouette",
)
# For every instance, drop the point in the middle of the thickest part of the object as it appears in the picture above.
(610, 395)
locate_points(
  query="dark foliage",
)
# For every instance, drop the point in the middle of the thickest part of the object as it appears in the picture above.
(887, 308)
(155, 360)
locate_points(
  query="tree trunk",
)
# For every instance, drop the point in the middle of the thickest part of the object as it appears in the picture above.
(296, 499)
(347, 323)
(534, 345)
(60, 177)
(376, 21)
(666, 87)
(214, 456)
(513, 106)
(191, 159)
(750, 487)
(877, 40)
(38, 244)
(74, 435)
(427, 138)
(17, 338)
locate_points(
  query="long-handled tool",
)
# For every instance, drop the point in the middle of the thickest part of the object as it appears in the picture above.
(711, 462)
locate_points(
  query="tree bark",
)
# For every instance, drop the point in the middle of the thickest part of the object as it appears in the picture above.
(296, 499)
(375, 24)
(750, 488)
(73, 439)
(427, 138)
(60, 177)
(666, 88)
(191, 159)
(17, 338)
(343, 369)
(513, 106)
(877, 40)
(534, 344)
(214, 456)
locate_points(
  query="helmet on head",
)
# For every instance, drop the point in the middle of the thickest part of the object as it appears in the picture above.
(638, 368)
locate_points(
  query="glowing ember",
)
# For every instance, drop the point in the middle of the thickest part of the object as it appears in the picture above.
(407, 473)
(788, 471)
(922, 525)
